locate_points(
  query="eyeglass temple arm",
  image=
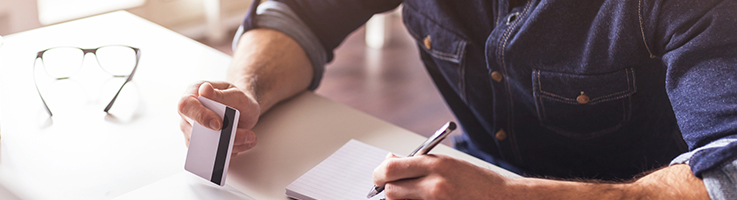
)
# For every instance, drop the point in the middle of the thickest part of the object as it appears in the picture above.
(130, 77)
(39, 91)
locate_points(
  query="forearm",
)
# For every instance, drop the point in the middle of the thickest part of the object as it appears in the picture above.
(673, 182)
(270, 66)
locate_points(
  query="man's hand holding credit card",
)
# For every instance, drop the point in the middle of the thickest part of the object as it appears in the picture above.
(210, 150)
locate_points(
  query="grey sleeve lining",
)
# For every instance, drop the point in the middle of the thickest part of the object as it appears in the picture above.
(278, 16)
(721, 182)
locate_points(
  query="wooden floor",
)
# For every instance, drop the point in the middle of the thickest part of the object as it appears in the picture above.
(390, 83)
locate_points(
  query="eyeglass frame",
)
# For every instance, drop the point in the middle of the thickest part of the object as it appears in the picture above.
(85, 51)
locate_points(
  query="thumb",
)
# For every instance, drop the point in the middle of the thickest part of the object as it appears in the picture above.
(390, 155)
(208, 91)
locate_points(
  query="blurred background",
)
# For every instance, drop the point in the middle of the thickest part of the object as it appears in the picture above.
(376, 70)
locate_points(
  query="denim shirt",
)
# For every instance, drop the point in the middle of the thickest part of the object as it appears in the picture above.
(601, 89)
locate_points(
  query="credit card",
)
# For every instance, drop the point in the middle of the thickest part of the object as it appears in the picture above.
(209, 150)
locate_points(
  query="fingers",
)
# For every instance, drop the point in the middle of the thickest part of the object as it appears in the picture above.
(244, 136)
(419, 177)
(186, 128)
(242, 148)
(240, 138)
(404, 189)
(194, 88)
(230, 95)
(394, 168)
(220, 85)
(207, 90)
(191, 108)
(244, 140)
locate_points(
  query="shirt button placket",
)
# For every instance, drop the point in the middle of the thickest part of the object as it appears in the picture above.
(504, 105)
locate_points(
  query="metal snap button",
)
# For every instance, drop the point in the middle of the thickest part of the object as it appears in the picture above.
(428, 42)
(582, 98)
(512, 17)
(501, 135)
(496, 76)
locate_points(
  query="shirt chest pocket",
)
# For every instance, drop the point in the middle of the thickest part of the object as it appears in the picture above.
(583, 106)
(440, 47)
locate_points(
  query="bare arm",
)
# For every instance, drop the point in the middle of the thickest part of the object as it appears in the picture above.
(442, 177)
(270, 65)
(673, 182)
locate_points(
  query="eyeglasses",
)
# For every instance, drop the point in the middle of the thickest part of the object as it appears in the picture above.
(61, 63)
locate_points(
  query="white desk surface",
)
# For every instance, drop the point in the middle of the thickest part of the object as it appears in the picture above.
(83, 153)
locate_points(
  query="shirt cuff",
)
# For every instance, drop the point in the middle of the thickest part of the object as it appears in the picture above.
(720, 182)
(278, 16)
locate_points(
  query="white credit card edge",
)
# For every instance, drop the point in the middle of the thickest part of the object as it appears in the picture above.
(230, 145)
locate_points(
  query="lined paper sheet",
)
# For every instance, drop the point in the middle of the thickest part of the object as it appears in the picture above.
(346, 174)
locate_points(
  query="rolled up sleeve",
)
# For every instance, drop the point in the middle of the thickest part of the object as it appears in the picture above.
(317, 26)
(697, 42)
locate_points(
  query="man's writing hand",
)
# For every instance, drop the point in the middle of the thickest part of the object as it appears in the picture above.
(437, 177)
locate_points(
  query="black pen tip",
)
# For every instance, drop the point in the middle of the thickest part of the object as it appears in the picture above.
(452, 126)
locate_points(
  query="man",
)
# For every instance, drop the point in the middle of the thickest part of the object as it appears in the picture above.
(585, 90)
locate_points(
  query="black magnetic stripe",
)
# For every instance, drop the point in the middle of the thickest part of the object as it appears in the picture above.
(222, 153)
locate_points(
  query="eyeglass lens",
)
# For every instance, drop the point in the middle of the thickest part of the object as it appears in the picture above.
(63, 62)
(116, 60)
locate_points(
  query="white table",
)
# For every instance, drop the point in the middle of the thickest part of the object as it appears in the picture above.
(86, 154)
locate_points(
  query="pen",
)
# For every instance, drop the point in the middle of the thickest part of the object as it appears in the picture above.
(423, 149)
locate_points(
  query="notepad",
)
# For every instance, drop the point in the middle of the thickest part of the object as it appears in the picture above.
(346, 174)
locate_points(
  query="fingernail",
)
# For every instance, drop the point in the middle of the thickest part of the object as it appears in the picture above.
(215, 125)
(250, 138)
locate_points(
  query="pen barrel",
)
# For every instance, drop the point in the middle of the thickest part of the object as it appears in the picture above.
(435, 139)
(432, 145)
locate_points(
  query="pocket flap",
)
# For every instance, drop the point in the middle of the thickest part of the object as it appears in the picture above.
(568, 88)
(436, 40)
